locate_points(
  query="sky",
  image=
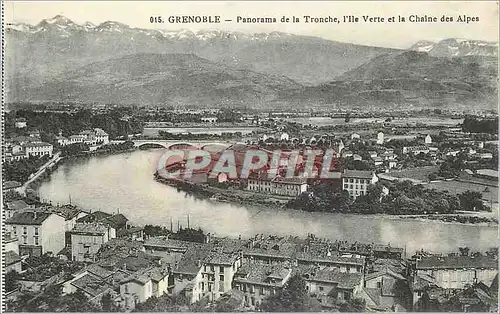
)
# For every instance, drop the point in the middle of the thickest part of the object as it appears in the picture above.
(384, 34)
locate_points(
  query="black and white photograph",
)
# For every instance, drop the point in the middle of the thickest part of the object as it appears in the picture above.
(250, 156)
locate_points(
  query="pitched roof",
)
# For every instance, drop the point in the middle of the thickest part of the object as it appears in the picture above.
(383, 272)
(116, 221)
(17, 205)
(11, 184)
(28, 218)
(359, 174)
(143, 276)
(89, 228)
(342, 279)
(91, 285)
(453, 262)
(263, 274)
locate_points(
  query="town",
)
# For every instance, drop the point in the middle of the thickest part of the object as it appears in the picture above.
(428, 164)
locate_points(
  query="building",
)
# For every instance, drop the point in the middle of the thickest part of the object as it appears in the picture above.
(21, 123)
(257, 281)
(87, 239)
(101, 136)
(428, 139)
(38, 232)
(38, 149)
(355, 136)
(356, 182)
(12, 186)
(455, 272)
(415, 150)
(380, 138)
(384, 291)
(278, 185)
(330, 286)
(14, 207)
(143, 284)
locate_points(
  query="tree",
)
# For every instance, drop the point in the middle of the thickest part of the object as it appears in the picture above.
(292, 298)
(464, 251)
(471, 201)
(107, 304)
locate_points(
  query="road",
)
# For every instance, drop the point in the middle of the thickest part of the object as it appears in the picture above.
(54, 160)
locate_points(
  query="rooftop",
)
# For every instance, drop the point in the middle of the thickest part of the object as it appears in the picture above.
(91, 285)
(454, 262)
(89, 228)
(342, 279)
(143, 276)
(264, 274)
(11, 257)
(17, 205)
(28, 218)
(11, 184)
(359, 174)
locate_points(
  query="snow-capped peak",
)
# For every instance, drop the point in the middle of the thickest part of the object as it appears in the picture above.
(21, 27)
(456, 47)
(60, 20)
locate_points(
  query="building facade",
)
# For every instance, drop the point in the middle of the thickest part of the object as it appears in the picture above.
(356, 182)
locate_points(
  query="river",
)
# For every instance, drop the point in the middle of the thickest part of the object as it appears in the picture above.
(125, 183)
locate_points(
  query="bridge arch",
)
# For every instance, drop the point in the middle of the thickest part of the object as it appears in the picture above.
(139, 144)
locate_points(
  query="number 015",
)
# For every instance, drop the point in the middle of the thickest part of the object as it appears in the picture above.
(156, 19)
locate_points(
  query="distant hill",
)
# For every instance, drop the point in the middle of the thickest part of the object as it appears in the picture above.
(411, 79)
(158, 79)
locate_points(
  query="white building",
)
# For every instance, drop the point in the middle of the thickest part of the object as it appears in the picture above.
(38, 232)
(38, 149)
(455, 272)
(356, 182)
(380, 138)
(21, 123)
(278, 185)
(428, 139)
(142, 285)
(355, 136)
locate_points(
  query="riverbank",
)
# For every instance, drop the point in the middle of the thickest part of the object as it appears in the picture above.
(246, 198)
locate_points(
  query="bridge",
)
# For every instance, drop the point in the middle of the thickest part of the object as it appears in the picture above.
(179, 143)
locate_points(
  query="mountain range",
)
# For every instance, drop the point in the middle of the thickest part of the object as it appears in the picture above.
(58, 59)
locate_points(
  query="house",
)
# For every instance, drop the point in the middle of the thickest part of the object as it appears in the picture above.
(455, 272)
(485, 155)
(38, 149)
(380, 138)
(385, 290)
(92, 286)
(356, 182)
(143, 284)
(278, 185)
(347, 154)
(38, 232)
(330, 286)
(87, 239)
(258, 281)
(16, 206)
(133, 233)
(415, 150)
(387, 251)
(372, 154)
(284, 137)
(355, 136)
(357, 157)
(269, 250)
(21, 123)
(428, 139)
(12, 186)
(101, 136)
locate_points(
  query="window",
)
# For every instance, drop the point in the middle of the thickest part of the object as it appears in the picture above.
(221, 277)
(221, 286)
(379, 284)
(221, 269)
(206, 268)
(25, 230)
(321, 288)
(36, 231)
(202, 286)
(212, 268)
(25, 240)
(210, 287)
(252, 301)
(126, 288)
(14, 230)
(36, 240)
(348, 268)
(347, 296)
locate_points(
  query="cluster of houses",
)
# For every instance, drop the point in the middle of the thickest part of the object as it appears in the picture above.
(24, 147)
(120, 261)
(89, 137)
